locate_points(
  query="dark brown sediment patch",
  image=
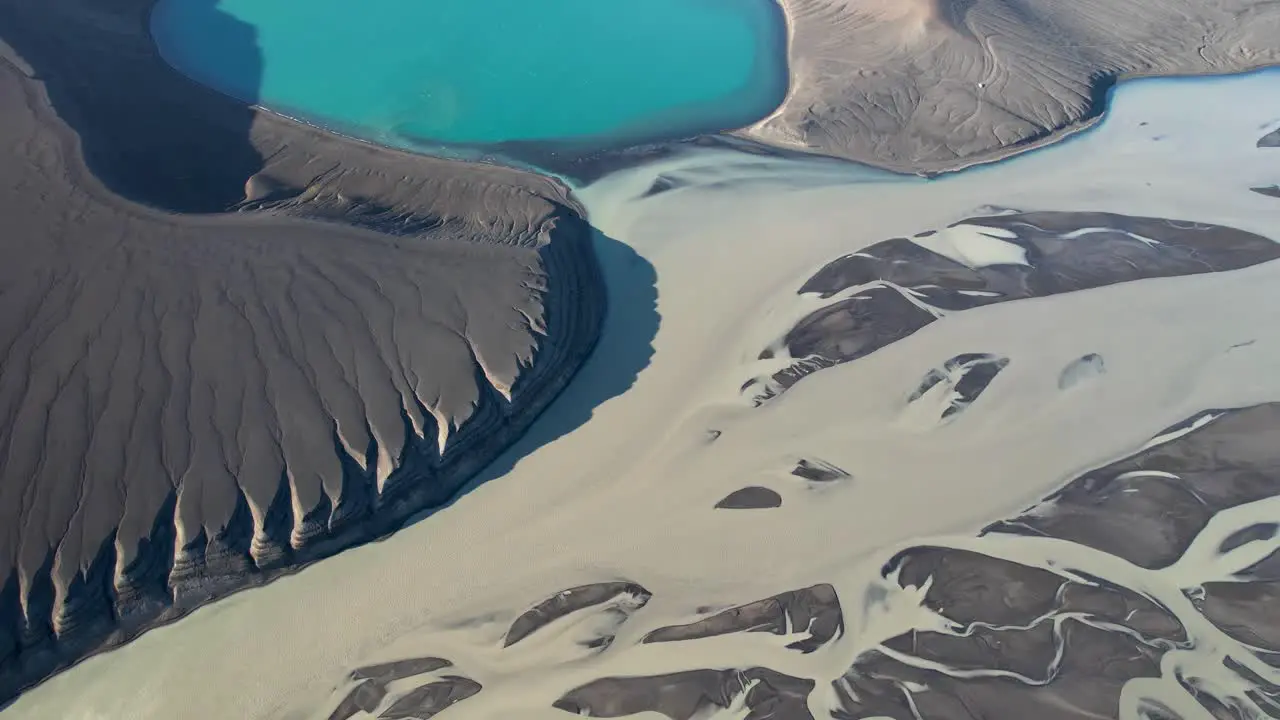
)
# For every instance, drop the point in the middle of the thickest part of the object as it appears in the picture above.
(1050, 639)
(197, 403)
(769, 695)
(841, 332)
(1253, 533)
(750, 498)
(963, 378)
(1148, 507)
(1086, 681)
(1033, 633)
(816, 608)
(431, 699)
(819, 471)
(384, 673)
(628, 597)
(901, 285)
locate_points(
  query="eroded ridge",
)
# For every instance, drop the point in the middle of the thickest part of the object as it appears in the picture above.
(889, 290)
(934, 85)
(192, 404)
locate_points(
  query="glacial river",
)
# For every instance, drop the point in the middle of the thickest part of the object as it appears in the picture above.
(619, 477)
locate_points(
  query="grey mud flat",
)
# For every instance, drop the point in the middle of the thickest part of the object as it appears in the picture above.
(233, 344)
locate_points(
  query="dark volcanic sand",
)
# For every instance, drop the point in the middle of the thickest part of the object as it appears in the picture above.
(901, 286)
(816, 608)
(818, 471)
(625, 596)
(195, 403)
(753, 497)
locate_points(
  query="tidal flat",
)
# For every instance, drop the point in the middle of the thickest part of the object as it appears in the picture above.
(953, 516)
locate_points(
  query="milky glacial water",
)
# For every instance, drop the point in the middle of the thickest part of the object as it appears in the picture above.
(628, 493)
(415, 73)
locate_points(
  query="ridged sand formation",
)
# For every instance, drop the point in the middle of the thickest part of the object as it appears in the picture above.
(195, 403)
(933, 85)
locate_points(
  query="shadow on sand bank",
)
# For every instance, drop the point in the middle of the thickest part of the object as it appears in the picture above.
(147, 132)
(623, 350)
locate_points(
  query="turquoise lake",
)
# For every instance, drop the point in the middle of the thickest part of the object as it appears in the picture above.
(583, 74)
